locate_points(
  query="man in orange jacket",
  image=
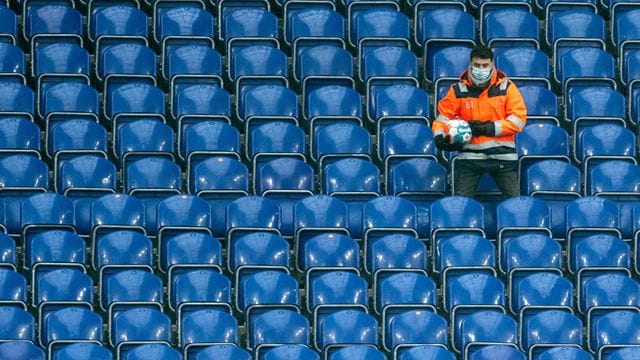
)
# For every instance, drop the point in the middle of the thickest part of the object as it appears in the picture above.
(495, 111)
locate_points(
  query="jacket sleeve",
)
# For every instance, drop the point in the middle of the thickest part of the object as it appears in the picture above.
(516, 112)
(448, 108)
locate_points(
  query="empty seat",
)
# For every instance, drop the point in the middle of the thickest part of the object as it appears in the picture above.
(252, 213)
(358, 352)
(615, 328)
(133, 101)
(139, 325)
(333, 291)
(204, 327)
(275, 327)
(355, 181)
(256, 65)
(258, 249)
(271, 287)
(12, 67)
(70, 324)
(120, 250)
(503, 27)
(426, 352)
(497, 352)
(379, 27)
(585, 67)
(18, 324)
(128, 289)
(465, 253)
(526, 66)
(70, 137)
(197, 289)
(223, 352)
(305, 26)
(192, 64)
(550, 328)
(415, 327)
(599, 251)
(14, 288)
(402, 291)
(58, 289)
(274, 141)
(9, 28)
(152, 351)
(436, 27)
(331, 101)
(123, 63)
(17, 98)
(143, 138)
(183, 25)
(347, 327)
(15, 350)
(533, 144)
(340, 140)
(115, 20)
(7, 252)
(83, 351)
(485, 327)
(266, 102)
(247, 26)
(116, 211)
(68, 101)
(566, 352)
(51, 24)
(19, 136)
(291, 352)
(324, 64)
(395, 102)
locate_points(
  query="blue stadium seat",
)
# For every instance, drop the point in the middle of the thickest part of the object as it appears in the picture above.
(534, 144)
(17, 324)
(142, 138)
(139, 325)
(526, 67)
(9, 27)
(322, 65)
(464, 253)
(615, 328)
(306, 26)
(602, 294)
(616, 180)
(275, 327)
(444, 67)
(333, 102)
(58, 63)
(573, 29)
(548, 329)
(624, 352)
(271, 141)
(129, 289)
(247, 26)
(519, 216)
(151, 180)
(198, 103)
(223, 352)
(198, 289)
(596, 145)
(394, 251)
(124, 62)
(335, 290)
(397, 102)
(356, 8)
(585, 67)
(566, 353)
(120, 250)
(265, 103)
(404, 140)
(152, 351)
(265, 290)
(557, 183)
(203, 140)
(83, 351)
(291, 352)
(346, 327)
(12, 67)
(426, 352)
(116, 212)
(538, 292)
(7, 252)
(52, 24)
(360, 352)
(135, 101)
(532, 250)
(483, 328)
(43, 212)
(508, 25)
(340, 140)
(84, 179)
(69, 325)
(468, 293)
(70, 137)
(184, 25)
(497, 352)
(596, 252)
(117, 19)
(68, 101)
(219, 180)
(377, 27)
(387, 215)
(354, 181)
(59, 289)
(625, 34)
(257, 249)
(257, 65)
(438, 26)
(18, 99)
(181, 213)
(588, 216)
(414, 327)
(51, 250)
(14, 288)
(21, 177)
(402, 291)
(204, 327)
(192, 64)
(449, 216)
(252, 213)
(16, 350)
(19, 136)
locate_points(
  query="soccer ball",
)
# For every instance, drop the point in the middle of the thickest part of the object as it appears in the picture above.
(460, 131)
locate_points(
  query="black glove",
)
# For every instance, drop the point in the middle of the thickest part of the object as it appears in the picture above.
(482, 128)
(443, 142)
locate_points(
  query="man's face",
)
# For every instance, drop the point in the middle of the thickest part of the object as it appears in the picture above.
(480, 63)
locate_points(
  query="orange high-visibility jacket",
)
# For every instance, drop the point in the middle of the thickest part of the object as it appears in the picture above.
(500, 102)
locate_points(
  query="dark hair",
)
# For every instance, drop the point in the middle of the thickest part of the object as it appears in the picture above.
(482, 52)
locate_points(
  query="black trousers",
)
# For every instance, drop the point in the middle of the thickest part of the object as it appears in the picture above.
(468, 174)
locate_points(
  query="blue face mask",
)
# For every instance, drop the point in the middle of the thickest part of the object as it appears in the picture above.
(481, 75)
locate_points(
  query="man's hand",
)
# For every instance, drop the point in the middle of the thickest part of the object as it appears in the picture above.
(443, 142)
(482, 128)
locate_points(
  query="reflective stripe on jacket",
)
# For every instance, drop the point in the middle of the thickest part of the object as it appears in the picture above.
(500, 102)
